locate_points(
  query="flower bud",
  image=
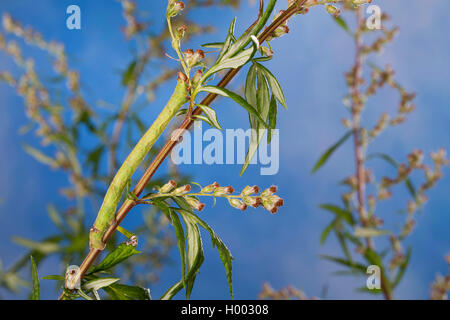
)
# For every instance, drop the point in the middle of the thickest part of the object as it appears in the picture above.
(277, 201)
(266, 51)
(174, 8)
(221, 191)
(415, 158)
(194, 203)
(197, 77)
(182, 77)
(252, 201)
(269, 191)
(358, 2)
(236, 203)
(192, 58)
(333, 10)
(250, 190)
(210, 188)
(280, 31)
(181, 32)
(169, 186)
(182, 190)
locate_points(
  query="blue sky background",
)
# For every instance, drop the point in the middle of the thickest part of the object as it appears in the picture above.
(309, 63)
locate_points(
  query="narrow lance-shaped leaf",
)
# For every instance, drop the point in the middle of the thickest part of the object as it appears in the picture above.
(402, 268)
(354, 265)
(194, 253)
(272, 118)
(99, 283)
(129, 72)
(237, 98)
(369, 232)
(262, 105)
(213, 45)
(390, 160)
(35, 292)
(224, 252)
(172, 291)
(57, 277)
(181, 241)
(39, 156)
(233, 62)
(124, 292)
(325, 233)
(211, 116)
(341, 22)
(226, 45)
(330, 151)
(273, 83)
(342, 213)
(121, 253)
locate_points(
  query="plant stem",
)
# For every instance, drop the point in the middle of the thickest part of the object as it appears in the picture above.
(358, 147)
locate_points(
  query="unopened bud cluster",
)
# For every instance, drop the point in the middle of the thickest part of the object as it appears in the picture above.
(289, 293)
(441, 286)
(174, 8)
(248, 197)
(193, 58)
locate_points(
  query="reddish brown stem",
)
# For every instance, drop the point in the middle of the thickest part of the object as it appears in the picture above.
(358, 147)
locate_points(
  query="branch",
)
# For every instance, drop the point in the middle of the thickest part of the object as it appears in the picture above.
(165, 151)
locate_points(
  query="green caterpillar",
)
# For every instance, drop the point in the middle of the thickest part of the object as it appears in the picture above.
(106, 214)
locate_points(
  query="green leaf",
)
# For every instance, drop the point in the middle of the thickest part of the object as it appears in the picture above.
(93, 158)
(330, 151)
(224, 252)
(250, 86)
(194, 252)
(343, 243)
(273, 83)
(55, 216)
(35, 293)
(390, 160)
(272, 118)
(229, 94)
(350, 264)
(39, 156)
(213, 45)
(402, 268)
(124, 292)
(263, 106)
(232, 62)
(181, 241)
(99, 283)
(211, 116)
(57, 277)
(369, 232)
(344, 214)
(341, 22)
(45, 247)
(228, 41)
(172, 291)
(128, 74)
(121, 253)
(325, 233)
